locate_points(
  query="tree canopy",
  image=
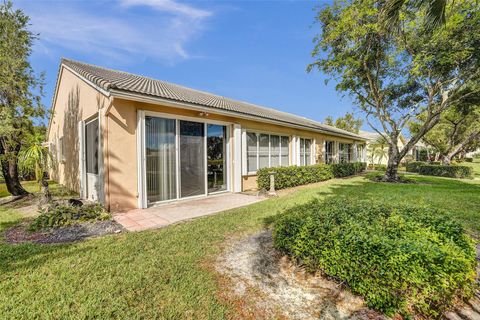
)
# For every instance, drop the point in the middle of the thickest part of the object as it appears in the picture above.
(395, 76)
(347, 122)
(20, 91)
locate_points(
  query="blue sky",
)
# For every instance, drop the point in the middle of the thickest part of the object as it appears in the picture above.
(256, 51)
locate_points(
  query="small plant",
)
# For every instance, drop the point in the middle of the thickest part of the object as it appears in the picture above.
(403, 259)
(57, 215)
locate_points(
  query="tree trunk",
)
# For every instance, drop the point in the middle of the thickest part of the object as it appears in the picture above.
(45, 196)
(9, 165)
(391, 174)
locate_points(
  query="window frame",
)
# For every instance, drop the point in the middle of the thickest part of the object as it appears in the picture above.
(348, 154)
(329, 157)
(312, 145)
(257, 152)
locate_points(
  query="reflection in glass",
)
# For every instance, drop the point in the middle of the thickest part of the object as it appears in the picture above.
(192, 158)
(263, 151)
(160, 159)
(252, 151)
(216, 165)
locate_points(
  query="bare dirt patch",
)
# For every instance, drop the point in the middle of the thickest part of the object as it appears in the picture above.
(75, 232)
(282, 289)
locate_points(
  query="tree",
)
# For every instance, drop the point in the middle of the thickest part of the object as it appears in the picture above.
(19, 102)
(457, 132)
(378, 149)
(435, 11)
(348, 122)
(394, 77)
(37, 157)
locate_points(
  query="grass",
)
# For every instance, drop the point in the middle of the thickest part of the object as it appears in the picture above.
(167, 273)
(475, 165)
(30, 186)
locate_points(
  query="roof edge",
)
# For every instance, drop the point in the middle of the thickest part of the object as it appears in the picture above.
(134, 96)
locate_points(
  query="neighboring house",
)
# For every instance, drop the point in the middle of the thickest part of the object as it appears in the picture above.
(131, 142)
(377, 148)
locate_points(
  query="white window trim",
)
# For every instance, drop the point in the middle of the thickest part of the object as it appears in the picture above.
(258, 133)
(312, 145)
(141, 158)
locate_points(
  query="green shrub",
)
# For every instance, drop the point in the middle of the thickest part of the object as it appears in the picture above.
(414, 165)
(57, 215)
(287, 177)
(451, 171)
(380, 167)
(406, 259)
(468, 159)
(341, 170)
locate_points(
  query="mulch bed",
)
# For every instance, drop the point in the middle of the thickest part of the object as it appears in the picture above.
(72, 233)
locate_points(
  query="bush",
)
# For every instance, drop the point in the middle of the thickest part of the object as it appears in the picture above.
(380, 167)
(406, 259)
(287, 177)
(451, 171)
(468, 159)
(414, 166)
(341, 170)
(57, 215)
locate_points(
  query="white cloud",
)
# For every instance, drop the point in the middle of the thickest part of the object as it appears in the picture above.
(115, 31)
(169, 6)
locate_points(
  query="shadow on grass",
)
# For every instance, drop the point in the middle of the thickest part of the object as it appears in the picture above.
(29, 256)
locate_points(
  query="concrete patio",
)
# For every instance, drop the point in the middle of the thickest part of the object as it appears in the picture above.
(166, 214)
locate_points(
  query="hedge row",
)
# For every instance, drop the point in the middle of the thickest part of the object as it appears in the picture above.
(287, 177)
(406, 259)
(434, 169)
(446, 171)
(414, 166)
(341, 170)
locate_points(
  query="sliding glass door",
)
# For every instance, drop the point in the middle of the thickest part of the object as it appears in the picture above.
(216, 158)
(160, 159)
(184, 159)
(192, 158)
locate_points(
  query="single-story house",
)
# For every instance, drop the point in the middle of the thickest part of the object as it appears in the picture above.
(377, 148)
(130, 141)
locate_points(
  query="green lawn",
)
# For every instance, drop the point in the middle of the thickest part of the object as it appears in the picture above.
(167, 273)
(30, 186)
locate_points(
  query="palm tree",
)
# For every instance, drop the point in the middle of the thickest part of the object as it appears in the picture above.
(435, 11)
(37, 158)
(378, 149)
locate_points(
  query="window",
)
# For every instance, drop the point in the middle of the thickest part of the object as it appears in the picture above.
(344, 152)
(266, 151)
(61, 149)
(329, 153)
(252, 152)
(360, 150)
(305, 152)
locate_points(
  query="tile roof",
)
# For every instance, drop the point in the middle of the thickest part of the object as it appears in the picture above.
(108, 79)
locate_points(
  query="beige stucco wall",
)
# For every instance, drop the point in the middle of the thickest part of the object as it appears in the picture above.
(75, 101)
(121, 147)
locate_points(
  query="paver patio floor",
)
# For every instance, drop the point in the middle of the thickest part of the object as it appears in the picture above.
(166, 214)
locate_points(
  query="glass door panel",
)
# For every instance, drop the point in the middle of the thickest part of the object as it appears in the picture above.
(216, 160)
(160, 159)
(192, 158)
